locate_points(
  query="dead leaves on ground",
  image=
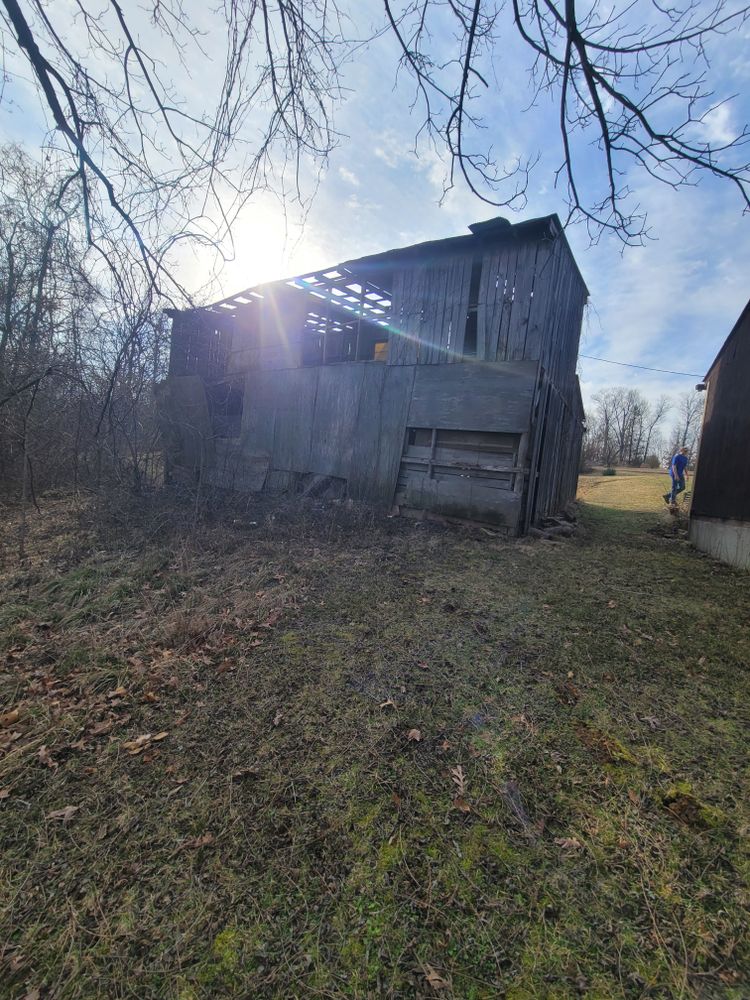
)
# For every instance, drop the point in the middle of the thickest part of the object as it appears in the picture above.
(569, 843)
(141, 743)
(46, 757)
(10, 718)
(435, 979)
(65, 814)
(195, 843)
(458, 777)
(245, 772)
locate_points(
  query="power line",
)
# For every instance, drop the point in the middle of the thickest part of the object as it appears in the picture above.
(625, 364)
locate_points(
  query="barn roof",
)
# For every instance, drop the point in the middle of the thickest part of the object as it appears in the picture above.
(376, 266)
(744, 316)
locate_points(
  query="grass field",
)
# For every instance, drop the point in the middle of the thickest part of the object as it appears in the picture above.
(333, 755)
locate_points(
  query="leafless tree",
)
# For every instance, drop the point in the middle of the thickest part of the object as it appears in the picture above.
(687, 428)
(152, 167)
(623, 428)
(155, 166)
(630, 80)
(78, 360)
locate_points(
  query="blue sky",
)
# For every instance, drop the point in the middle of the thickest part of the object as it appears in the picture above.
(669, 304)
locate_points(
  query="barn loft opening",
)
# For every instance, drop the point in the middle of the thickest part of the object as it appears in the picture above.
(348, 319)
(225, 402)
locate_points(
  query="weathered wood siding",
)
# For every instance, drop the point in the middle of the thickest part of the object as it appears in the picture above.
(430, 301)
(530, 305)
(722, 478)
(555, 451)
(474, 396)
(350, 422)
(184, 423)
(200, 344)
(342, 421)
(476, 418)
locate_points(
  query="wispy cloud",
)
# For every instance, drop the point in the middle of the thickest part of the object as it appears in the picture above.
(348, 176)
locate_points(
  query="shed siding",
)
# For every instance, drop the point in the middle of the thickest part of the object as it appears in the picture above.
(722, 481)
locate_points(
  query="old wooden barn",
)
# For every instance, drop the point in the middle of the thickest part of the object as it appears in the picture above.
(439, 377)
(720, 510)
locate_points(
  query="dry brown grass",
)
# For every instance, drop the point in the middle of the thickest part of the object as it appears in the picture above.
(290, 836)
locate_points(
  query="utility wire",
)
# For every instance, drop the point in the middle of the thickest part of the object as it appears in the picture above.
(624, 364)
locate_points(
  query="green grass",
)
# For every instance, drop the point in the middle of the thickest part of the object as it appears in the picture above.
(288, 838)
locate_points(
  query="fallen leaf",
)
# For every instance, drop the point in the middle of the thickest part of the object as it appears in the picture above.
(423, 666)
(397, 800)
(16, 962)
(4, 793)
(203, 841)
(245, 772)
(46, 758)
(461, 804)
(9, 718)
(138, 745)
(272, 619)
(388, 704)
(65, 814)
(119, 692)
(32, 995)
(459, 779)
(278, 717)
(100, 728)
(159, 737)
(611, 604)
(414, 735)
(569, 843)
(436, 981)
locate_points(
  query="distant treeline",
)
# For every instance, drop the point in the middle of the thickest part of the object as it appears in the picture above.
(624, 428)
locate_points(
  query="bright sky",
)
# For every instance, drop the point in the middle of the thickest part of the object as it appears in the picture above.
(669, 304)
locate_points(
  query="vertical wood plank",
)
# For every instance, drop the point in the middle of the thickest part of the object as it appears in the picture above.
(506, 280)
(521, 305)
(486, 305)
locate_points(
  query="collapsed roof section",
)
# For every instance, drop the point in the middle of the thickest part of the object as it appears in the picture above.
(363, 287)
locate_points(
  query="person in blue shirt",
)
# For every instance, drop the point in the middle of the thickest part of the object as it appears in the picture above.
(678, 472)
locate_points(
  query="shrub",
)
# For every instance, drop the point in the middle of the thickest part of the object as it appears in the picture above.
(609, 472)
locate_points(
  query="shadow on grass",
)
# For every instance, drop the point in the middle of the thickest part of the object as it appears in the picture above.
(618, 522)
